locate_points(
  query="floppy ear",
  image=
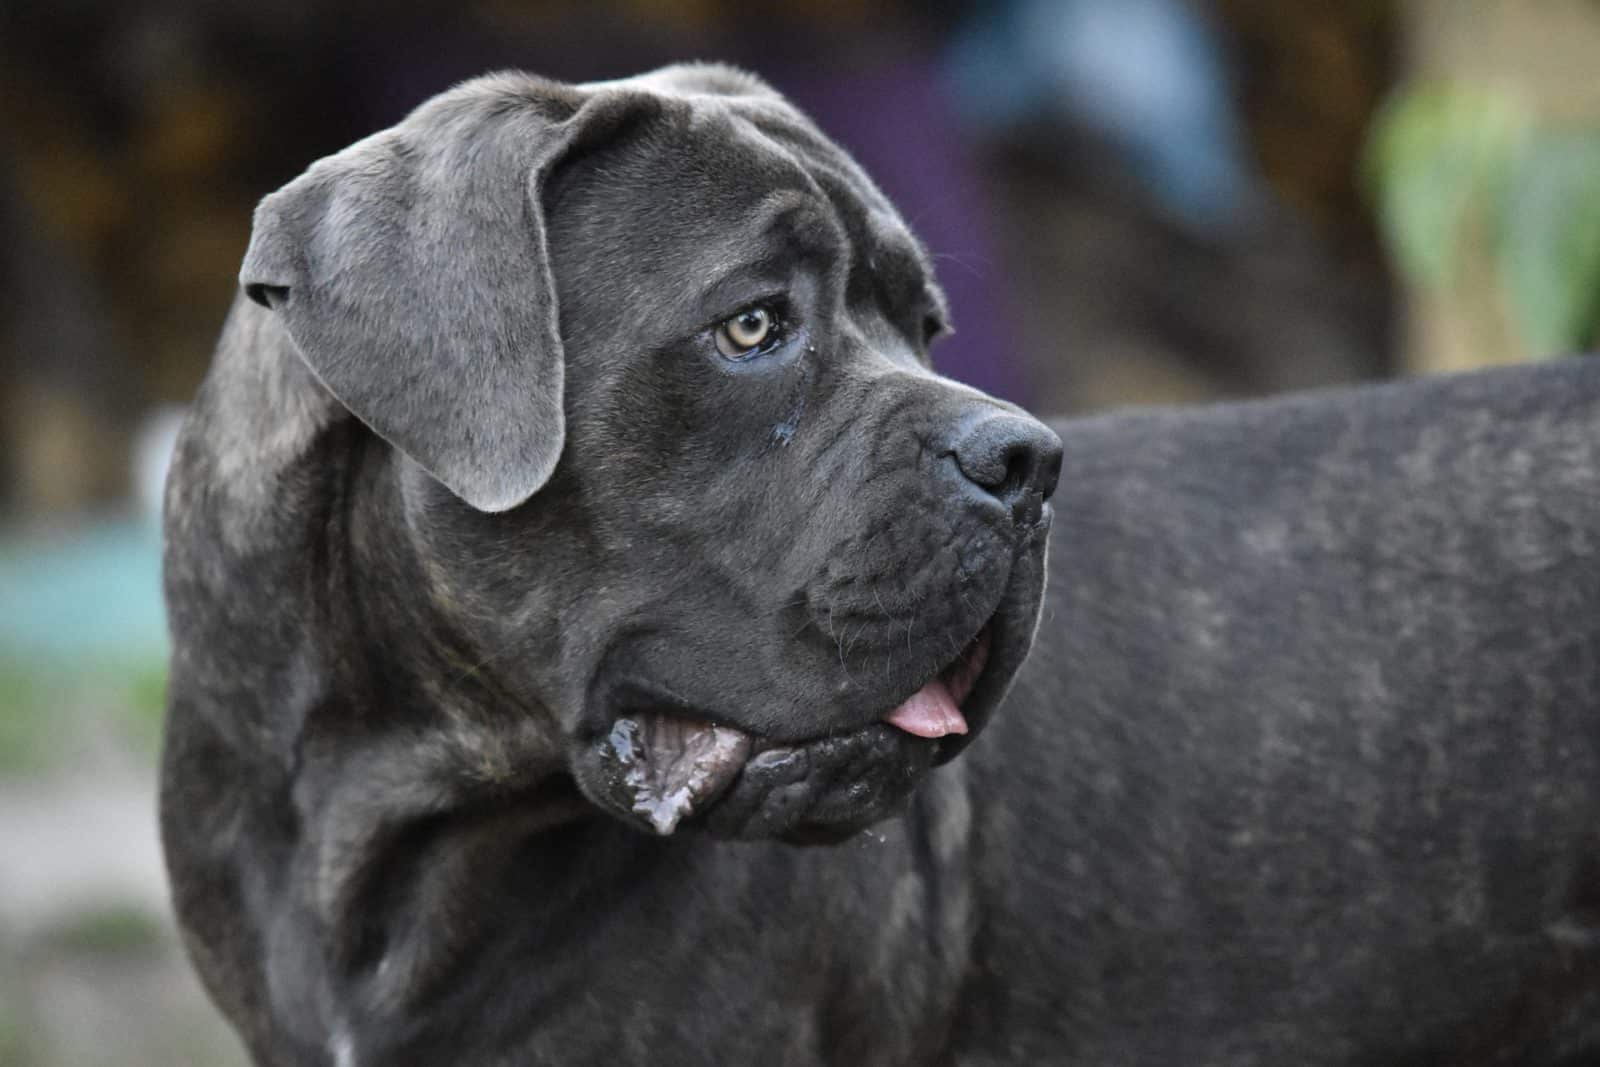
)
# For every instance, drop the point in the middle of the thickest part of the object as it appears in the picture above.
(412, 272)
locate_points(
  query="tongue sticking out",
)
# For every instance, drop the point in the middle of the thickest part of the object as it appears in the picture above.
(935, 709)
(929, 712)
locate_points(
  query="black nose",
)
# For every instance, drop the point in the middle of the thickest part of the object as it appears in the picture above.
(1013, 458)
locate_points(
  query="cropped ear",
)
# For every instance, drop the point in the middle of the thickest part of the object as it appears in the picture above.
(412, 272)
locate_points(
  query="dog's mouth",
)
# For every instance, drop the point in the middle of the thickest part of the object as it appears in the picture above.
(660, 768)
(935, 709)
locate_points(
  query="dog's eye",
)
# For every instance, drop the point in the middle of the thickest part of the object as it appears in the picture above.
(747, 332)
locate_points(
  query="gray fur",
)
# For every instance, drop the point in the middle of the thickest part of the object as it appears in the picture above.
(412, 273)
(1302, 767)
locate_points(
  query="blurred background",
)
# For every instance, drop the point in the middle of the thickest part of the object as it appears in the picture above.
(1129, 201)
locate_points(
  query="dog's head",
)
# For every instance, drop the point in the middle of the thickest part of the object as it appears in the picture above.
(652, 358)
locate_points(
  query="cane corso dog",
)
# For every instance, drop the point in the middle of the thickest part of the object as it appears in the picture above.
(581, 589)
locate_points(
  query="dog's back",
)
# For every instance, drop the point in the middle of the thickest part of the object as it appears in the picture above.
(1304, 766)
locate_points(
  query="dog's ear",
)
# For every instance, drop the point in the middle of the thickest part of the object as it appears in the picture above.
(412, 272)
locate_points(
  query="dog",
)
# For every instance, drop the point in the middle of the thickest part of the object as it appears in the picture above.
(571, 531)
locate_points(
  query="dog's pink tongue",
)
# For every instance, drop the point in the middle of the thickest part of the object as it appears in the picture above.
(929, 712)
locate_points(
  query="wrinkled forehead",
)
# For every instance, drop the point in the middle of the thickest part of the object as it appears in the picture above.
(720, 179)
(883, 246)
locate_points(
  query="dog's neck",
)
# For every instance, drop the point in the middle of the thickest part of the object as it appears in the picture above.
(300, 497)
(386, 757)
(254, 479)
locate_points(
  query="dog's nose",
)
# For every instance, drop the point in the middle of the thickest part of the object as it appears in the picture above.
(1013, 458)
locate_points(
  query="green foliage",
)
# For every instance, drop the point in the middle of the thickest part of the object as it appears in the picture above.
(115, 929)
(1436, 157)
(1459, 172)
(146, 705)
(49, 711)
(26, 734)
(13, 1047)
(1550, 245)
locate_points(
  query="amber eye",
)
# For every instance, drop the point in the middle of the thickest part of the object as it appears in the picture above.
(745, 332)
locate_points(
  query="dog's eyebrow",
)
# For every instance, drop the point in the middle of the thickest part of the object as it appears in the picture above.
(787, 226)
(898, 270)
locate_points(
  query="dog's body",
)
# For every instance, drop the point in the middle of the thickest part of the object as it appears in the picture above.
(1305, 765)
(1301, 770)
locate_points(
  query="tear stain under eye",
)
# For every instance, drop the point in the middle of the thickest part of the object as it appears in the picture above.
(783, 432)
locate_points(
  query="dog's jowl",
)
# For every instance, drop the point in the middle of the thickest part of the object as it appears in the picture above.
(582, 587)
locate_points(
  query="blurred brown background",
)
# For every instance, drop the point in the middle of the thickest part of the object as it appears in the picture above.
(1129, 201)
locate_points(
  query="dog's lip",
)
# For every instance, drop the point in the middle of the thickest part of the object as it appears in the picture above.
(674, 766)
(674, 763)
(662, 787)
